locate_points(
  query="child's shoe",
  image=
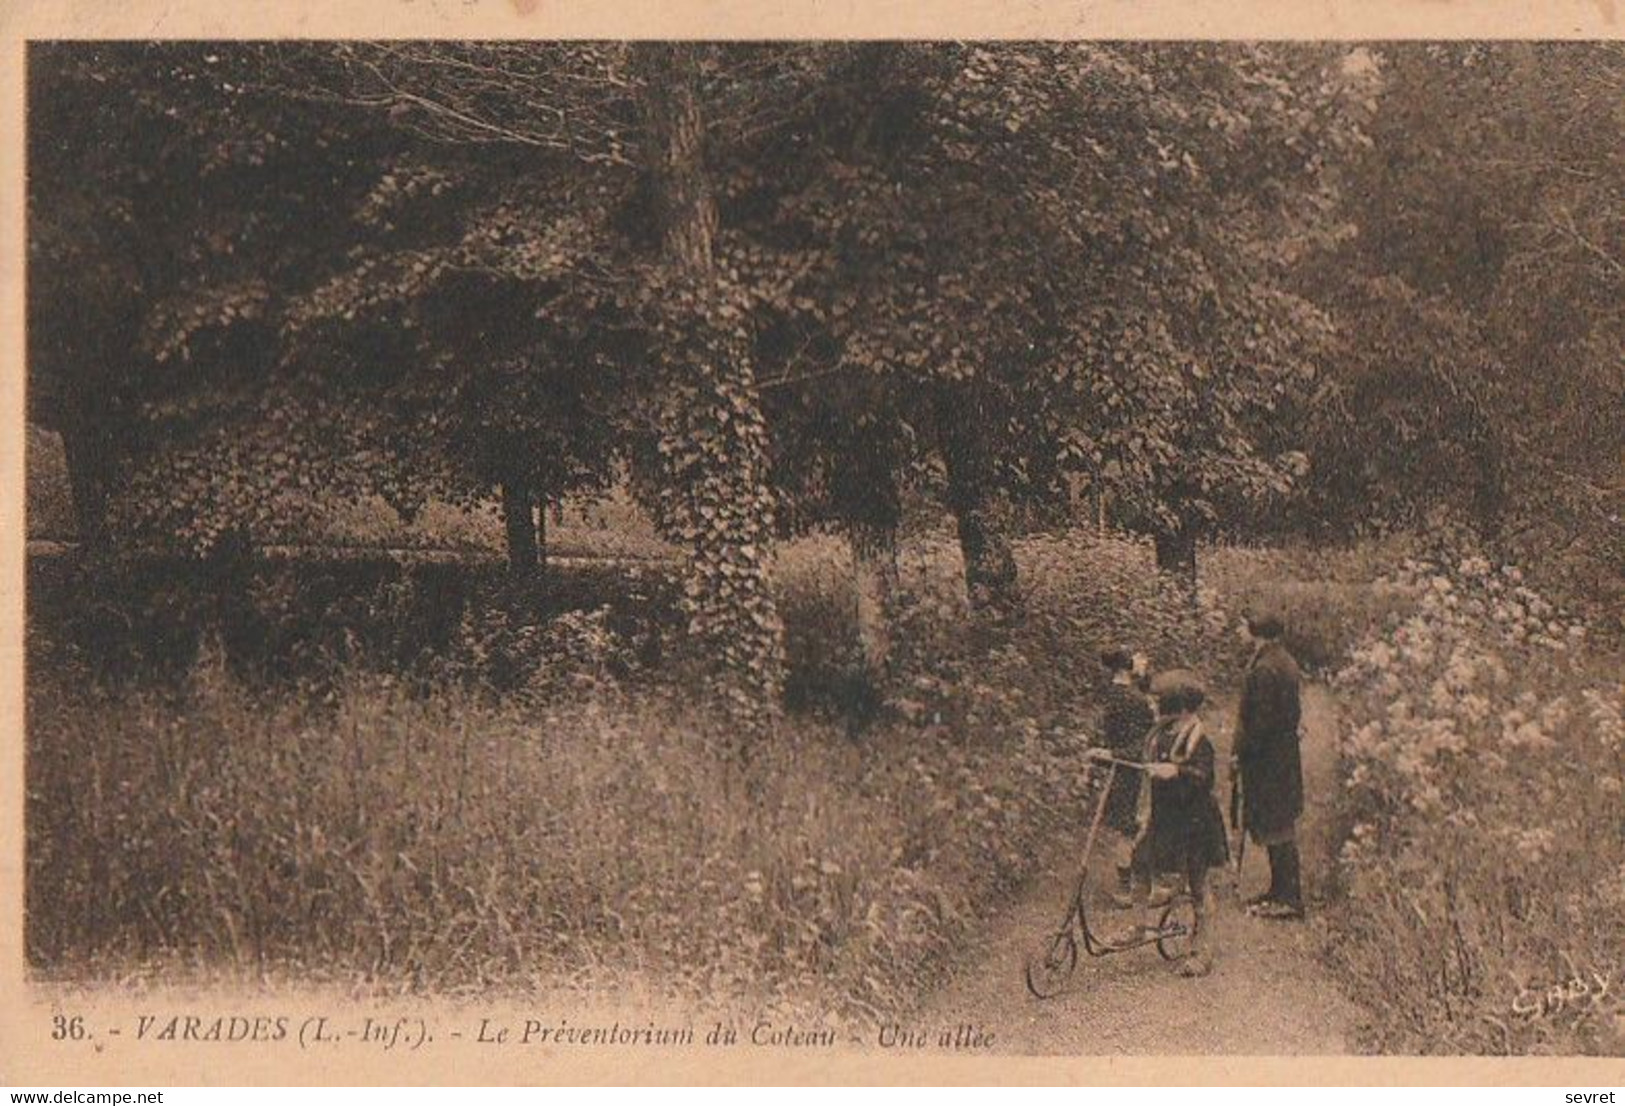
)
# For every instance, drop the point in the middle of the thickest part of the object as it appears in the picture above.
(1199, 960)
(1122, 897)
(1195, 965)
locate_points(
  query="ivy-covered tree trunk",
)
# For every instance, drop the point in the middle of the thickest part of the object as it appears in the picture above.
(519, 520)
(1176, 559)
(990, 563)
(714, 444)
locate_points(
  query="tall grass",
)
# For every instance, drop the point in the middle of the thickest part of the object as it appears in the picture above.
(579, 829)
(441, 842)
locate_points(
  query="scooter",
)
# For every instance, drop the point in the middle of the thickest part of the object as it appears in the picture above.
(1173, 935)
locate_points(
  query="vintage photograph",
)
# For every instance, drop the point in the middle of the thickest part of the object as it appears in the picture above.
(1016, 548)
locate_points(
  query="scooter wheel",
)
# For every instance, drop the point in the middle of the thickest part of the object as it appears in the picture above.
(1047, 974)
(1177, 929)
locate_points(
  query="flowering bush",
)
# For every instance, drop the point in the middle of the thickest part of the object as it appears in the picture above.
(1105, 589)
(1484, 860)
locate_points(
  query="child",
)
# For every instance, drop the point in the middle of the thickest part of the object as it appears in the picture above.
(1183, 832)
(1125, 718)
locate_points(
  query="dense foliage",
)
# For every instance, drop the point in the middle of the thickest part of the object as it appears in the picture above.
(1482, 357)
(1181, 278)
(782, 284)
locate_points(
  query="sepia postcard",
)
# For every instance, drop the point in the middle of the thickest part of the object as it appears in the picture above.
(680, 543)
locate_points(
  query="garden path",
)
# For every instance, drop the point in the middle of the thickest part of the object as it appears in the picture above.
(1269, 994)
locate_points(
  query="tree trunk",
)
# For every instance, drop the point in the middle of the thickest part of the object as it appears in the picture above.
(541, 536)
(519, 519)
(87, 454)
(990, 564)
(874, 587)
(226, 574)
(863, 493)
(1176, 559)
(714, 437)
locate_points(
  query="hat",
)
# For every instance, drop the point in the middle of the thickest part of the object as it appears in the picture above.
(1178, 686)
(1265, 626)
(1116, 660)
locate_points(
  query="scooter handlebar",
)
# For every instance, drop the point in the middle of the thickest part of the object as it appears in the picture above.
(1100, 756)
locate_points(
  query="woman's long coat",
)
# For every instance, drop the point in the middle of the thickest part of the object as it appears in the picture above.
(1267, 754)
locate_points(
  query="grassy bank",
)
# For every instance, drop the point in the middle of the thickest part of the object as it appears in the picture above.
(453, 843)
(587, 826)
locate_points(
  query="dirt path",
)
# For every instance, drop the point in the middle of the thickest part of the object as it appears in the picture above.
(1267, 994)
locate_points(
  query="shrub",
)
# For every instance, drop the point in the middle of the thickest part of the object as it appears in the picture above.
(817, 605)
(1330, 599)
(1484, 865)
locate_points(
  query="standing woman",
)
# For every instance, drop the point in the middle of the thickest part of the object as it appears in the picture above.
(1268, 768)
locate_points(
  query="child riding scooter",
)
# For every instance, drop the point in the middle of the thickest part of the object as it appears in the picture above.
(1181, 831)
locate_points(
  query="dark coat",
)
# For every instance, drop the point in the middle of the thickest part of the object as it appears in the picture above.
(1186, 830)
(1267, 754)
(1123, 727)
